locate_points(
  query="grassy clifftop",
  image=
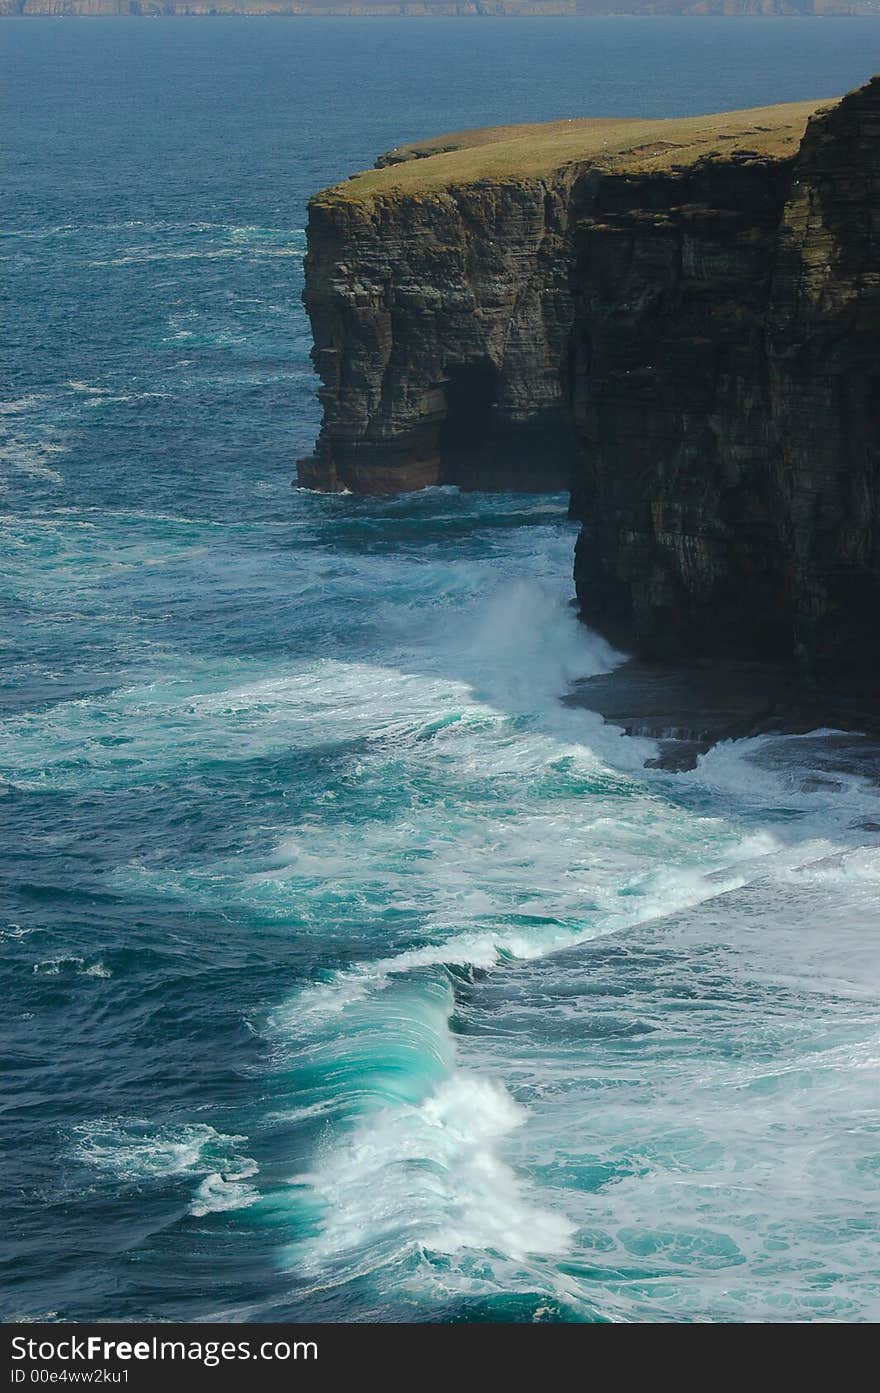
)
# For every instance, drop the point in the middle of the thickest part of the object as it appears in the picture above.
(510, 153)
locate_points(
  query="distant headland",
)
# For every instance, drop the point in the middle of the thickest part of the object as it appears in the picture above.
(422, 8)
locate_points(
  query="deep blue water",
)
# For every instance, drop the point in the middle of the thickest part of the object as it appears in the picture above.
(347, 974)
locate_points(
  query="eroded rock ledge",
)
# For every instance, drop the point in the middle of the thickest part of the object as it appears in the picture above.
(678, 319)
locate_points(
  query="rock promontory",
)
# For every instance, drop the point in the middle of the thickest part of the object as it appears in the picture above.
(678, 320)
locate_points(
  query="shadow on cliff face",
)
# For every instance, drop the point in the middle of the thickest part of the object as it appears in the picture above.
(483, 448)
(471, 393)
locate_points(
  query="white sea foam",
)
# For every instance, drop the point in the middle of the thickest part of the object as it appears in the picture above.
(219, 1192)
(72, 966)
(31, 458)
(515, 885)
(15, 931)
(133, 1151)
(87, 388)
(120, 399)
(429, 1176)
(651, 895)
(242, 248)
(98, 969)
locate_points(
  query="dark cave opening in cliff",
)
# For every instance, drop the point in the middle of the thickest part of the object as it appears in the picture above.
(471, 392)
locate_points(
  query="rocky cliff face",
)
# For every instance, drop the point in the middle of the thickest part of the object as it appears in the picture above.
(823, 352)
(726, 403)
(670, 394)
(683, 317)
(441, 325)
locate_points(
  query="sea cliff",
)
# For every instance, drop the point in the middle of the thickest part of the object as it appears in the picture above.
(678, 320)
(724, 390)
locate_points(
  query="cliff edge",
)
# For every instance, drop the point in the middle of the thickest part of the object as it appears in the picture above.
(678, 320)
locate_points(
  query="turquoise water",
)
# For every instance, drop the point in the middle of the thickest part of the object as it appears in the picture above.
(348, 974)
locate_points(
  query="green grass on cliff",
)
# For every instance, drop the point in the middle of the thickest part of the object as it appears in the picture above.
(506, 154)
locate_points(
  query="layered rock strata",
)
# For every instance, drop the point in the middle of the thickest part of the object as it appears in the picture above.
(679, 318)
(442, 321)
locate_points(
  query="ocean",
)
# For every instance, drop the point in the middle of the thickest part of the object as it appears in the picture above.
(348, 975)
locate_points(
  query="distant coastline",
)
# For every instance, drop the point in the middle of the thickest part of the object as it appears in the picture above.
(421, 8)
